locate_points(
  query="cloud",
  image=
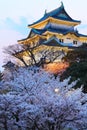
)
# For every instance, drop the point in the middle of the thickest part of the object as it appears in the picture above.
(10, 24)
(82, 29)
(8, 37)
(10, 32)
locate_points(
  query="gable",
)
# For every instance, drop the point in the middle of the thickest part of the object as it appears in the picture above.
(72, 36)
(53, 41)
(31, 34)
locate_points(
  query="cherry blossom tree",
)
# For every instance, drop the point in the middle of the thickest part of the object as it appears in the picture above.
(35, 100)
(27, 55)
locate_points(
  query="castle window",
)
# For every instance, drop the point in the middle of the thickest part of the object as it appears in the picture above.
(75, 42)
(61, 40)
(68, 38)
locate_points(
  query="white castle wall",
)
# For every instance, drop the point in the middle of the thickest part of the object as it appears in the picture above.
(67, 41)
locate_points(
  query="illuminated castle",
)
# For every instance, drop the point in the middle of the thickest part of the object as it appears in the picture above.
(55, 28)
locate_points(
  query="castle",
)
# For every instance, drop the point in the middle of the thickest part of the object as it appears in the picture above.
(55, 28)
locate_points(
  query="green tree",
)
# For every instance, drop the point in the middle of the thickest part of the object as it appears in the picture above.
(77, 71)
(76, 55)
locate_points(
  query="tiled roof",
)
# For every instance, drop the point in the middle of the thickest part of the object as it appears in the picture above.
(61, 31)
(53, 30)
(53, 41)
(58, 13)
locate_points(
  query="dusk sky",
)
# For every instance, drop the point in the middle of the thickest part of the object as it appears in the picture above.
(15, 15)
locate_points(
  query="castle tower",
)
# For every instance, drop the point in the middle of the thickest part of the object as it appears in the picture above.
(55, 28)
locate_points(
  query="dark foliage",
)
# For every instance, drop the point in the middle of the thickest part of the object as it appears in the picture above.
(76, 55)
(77, 71)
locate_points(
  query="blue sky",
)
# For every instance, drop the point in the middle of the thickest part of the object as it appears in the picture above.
(15, 15)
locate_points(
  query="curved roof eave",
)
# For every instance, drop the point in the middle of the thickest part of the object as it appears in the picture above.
(53, 15)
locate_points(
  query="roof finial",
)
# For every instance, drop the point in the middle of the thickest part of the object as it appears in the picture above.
(45, 11)
(62, 4)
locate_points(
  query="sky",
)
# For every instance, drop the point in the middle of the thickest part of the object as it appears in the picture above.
(15, 15)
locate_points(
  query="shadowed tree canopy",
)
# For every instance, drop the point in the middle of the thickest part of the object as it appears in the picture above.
(78, 67)
(76, 55)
